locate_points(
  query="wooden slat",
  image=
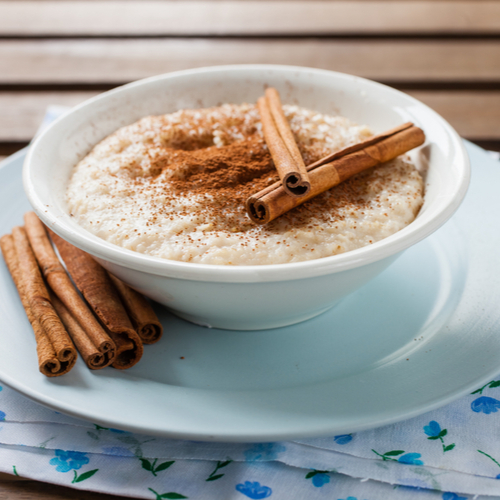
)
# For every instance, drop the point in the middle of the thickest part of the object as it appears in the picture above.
(9, 477)
(119, 61)
(33, 490)
(7, 149)
(247, 17)
(475, 115)
(22, 112)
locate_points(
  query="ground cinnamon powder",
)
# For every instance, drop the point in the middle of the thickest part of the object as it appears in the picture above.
(234, 168)
(226, 176)
(223, 176)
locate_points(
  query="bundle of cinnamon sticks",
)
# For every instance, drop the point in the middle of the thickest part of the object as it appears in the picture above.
(108, 326)
(310, 181)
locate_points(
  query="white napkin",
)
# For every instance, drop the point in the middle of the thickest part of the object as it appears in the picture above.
(454, 451)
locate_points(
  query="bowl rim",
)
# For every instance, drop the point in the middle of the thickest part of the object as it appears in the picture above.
(130, 259)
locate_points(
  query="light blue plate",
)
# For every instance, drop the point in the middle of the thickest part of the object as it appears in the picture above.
(423, 333)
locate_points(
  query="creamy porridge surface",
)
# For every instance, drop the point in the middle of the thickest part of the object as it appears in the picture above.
(175, 186)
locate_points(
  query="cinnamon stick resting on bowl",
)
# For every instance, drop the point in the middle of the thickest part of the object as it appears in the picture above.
(282, 145)
(93, 343)
(335, 168)
(95, 285)
(56, 353)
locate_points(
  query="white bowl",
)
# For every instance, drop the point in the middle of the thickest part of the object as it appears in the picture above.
(246, 297)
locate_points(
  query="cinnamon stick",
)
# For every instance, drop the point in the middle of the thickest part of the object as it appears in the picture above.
(55, 351)
(282, 145)
(93, 343)
(144, 319)
(96, 286)
(335, 168)
(94, 358)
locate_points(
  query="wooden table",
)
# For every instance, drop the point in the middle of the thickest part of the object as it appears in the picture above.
(444, 52)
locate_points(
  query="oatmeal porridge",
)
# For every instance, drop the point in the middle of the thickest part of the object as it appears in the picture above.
(175, 186)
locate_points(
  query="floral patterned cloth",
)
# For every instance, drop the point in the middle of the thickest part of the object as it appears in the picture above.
(449, 454)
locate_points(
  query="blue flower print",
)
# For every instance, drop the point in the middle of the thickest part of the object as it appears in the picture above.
(452, 496)
(433, 429)
(404, 458)
(485, 404)
(254, 490)
(2, 416)
(410, 458)
(343, 439)
(263, 452)
(68, 460)
(320, 479)
(117, 451)
(434, 432)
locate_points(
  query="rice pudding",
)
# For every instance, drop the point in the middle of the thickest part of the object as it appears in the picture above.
(175, 186)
